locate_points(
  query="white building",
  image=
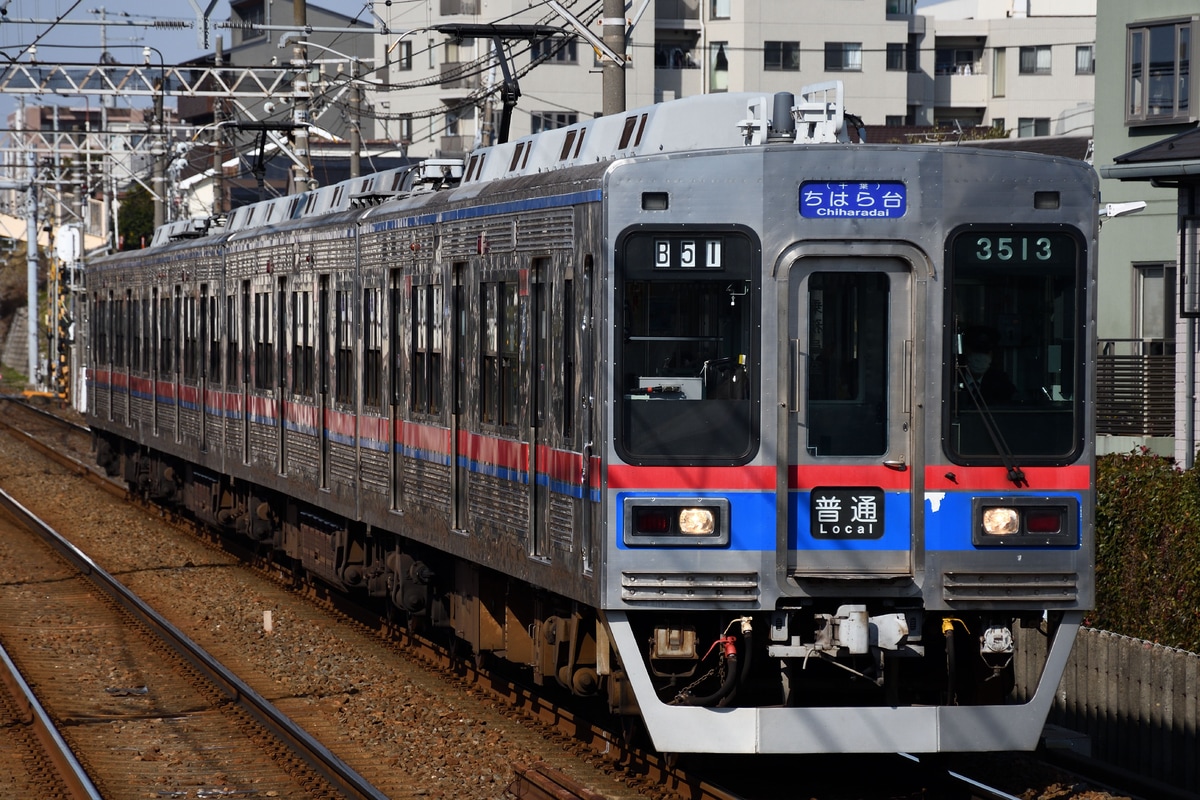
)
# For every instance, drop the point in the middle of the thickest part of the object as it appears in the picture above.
(1022, 65)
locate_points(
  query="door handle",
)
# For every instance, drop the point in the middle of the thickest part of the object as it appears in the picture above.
(897, 465)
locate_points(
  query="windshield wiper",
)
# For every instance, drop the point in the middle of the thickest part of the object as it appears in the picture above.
(1015, 474)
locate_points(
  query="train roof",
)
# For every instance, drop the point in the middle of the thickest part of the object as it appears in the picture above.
(701, 122)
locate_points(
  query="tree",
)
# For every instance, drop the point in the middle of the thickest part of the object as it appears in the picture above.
(136, 217)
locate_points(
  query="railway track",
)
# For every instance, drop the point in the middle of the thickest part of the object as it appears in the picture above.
(599, 760)
(132, 695)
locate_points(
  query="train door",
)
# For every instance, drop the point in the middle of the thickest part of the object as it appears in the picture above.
(202, 367)
(155, 347)
(851, 469)
(585, 403)
(282, 348)
(539, 432)
(460, 465)
(247, 353)
(323, 361)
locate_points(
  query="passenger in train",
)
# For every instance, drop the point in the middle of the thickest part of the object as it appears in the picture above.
(978, 349)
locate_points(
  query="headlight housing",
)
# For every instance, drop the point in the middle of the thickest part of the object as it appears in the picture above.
(1026, 522)
(676, 521)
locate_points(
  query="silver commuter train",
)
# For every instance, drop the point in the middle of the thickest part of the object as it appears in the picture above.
(780, 442)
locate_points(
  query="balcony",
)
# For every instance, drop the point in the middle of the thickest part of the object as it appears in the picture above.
(677, 10)
(452, 7)
(458, 75)
(1135, 388)
(967, 87)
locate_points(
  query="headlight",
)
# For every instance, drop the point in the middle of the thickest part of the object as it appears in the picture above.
(697, 521)
(676, 521)
(1001, 521)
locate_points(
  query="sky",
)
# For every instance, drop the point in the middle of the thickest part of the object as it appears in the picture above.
(71, 42)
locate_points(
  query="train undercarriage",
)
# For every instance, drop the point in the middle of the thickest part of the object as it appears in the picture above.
(811, 655)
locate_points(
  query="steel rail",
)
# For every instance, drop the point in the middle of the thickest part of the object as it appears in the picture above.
(76, 779)
(331, 768)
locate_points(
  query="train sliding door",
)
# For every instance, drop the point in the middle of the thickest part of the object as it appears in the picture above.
(851, 468)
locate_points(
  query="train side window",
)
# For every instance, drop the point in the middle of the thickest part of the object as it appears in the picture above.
(119, 320)
(264, 349)
(397, 333)
(372, 349)
(302, 343)
(420, 347)
(231, 340)
(566, 415)
(190, 339)
(134, 324)
(102, 314)
(343, 348)
(244, 335)
(500, 394)
(214, 339)
(165, 341)
(280, 345)
(489, 365)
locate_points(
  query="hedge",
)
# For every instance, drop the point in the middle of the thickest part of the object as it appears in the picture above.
(1148, 550)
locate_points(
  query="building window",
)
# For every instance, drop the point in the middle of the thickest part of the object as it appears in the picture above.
(913, 55)
(1085, 59)
(998, 124)
(556, 50)
(404, 56)
(1033, 126)
(893, 120)
(1159, 88)
(405, 125)
(549, 120)
(781, 56)
(721, 9)
(1035, 60)
(1155, 305)
(718, 76)
(999, 72)
(896, 56)
(843, 57)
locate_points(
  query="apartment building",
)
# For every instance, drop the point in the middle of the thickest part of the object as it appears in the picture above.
(1146, 152)
(1025, 66)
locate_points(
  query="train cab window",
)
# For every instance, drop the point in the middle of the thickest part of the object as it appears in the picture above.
(1015, 347)
(688, 331)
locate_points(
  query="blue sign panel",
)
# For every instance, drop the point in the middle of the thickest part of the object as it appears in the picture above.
(845, 199)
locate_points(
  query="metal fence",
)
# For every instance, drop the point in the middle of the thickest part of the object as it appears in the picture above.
(1136, 701)
(1135, 388)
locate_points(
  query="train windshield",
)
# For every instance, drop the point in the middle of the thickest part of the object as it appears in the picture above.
(1014, 357)
(687, 348)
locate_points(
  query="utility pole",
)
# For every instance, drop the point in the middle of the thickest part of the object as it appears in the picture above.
(31, 261)
(219, 148)
(355, 121)
(302, 178)
(158, 153)
(612, 73)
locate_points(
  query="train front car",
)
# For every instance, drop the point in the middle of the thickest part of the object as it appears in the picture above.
(850, 465)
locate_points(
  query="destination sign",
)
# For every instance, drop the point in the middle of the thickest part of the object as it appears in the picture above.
(850, 199)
